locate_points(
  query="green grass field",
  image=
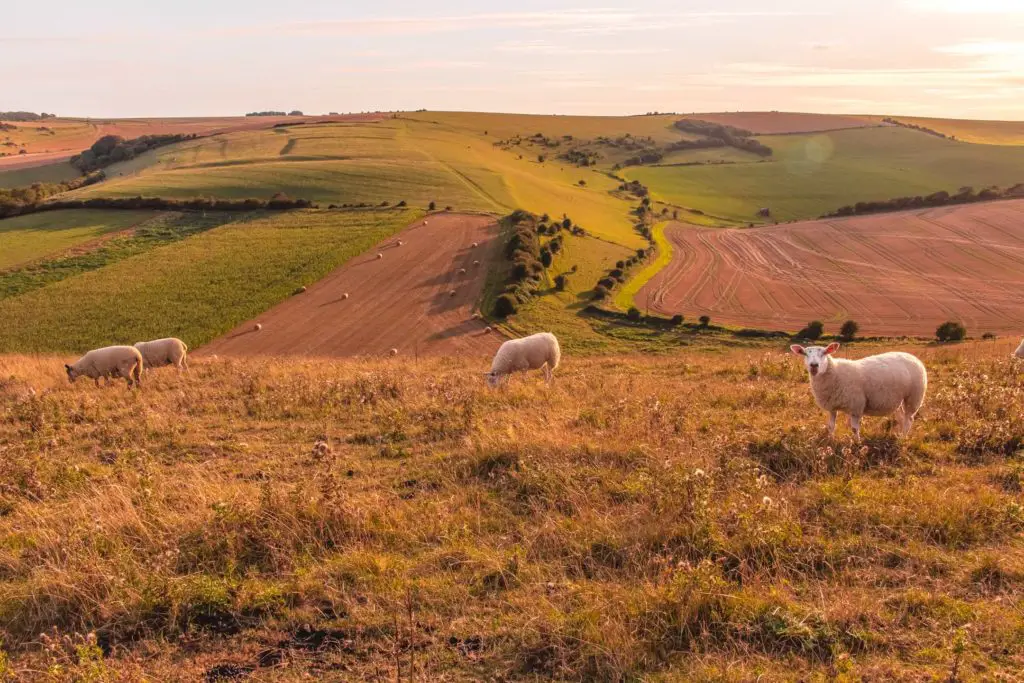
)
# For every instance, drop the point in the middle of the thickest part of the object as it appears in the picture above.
(194, 288)
(32, 237)
(812, 174)
(47, 173)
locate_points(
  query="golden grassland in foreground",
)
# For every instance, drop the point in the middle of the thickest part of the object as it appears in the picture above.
(674, 517)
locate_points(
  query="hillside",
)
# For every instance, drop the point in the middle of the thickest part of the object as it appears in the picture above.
(677, 517)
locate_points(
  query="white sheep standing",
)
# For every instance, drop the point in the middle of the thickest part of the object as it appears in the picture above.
(537, 351)
(109, 361)
(1019, 353)
(161, 352)
(884, 384)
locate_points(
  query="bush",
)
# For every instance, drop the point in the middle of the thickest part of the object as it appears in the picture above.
(705, 320)
(505, 305)
(621, 265)
(677, 320)
(545, 258)
(561, 282)
(401, 203)
(431, 206)
(640, 253)
(600, 292)
(607, 282)
(849, 330)
(813, 331)
(634, 314)
(951, 331)
(988, 335)
(567, 223)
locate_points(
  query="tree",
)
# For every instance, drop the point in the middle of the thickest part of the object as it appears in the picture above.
(951, 331)
(295, 112)
(541, 158)
(849, 330)
(505, 305)
(677, 319)
(705, 320)
(545, 258)
(634, 314)
(431, 206)
(567, 223)
(813, 331)
(561, 282)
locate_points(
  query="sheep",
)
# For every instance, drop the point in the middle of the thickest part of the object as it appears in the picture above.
(161, 352)
(537, 351)
(891, 383)
(110, 361)
(1019, 353)
(257, 327)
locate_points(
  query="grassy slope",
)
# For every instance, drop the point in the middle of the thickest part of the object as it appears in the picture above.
(196, 288)
(978, 132)
(47, 173)
(680, 518)
(810, 175)
(624, 296)
(27, 238)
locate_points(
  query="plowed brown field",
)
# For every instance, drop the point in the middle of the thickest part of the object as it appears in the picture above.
(895, 274)
(401, 301)
(777, 123)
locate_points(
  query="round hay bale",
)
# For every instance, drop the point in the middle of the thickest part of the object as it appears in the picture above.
(476, 263)
(475, 245)
(300, 290)
(487, 330)
(476, 316)
(257, 327)
(380, 256)
(393, 352)
(345, 295)
(400, 242)
(462, 271)
(451, 293)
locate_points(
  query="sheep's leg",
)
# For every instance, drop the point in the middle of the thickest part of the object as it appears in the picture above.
(908, 420)
(855, 426)
(97, 380)
(547, 375)
(831, 424)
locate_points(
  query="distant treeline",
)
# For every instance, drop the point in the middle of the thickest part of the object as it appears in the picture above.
(24, 116)
(965, 195)
(656, 155)
(158, 204)
(111, 149)
(294, 112)
(912, 126)
(730, 135)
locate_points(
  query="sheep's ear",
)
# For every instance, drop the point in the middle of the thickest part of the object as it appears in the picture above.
(797, 349)
(832, 348)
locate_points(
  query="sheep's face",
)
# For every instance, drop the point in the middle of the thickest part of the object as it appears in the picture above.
(72, 375)
(816, 358)
(493, 380)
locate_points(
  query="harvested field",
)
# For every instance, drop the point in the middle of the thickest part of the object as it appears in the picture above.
(895, 274)
(71, 136)
(780, 123)
(401, 301)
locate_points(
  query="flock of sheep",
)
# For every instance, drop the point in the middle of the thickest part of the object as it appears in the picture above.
(892, 383)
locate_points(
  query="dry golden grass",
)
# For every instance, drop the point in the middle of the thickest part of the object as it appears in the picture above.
(679, 517)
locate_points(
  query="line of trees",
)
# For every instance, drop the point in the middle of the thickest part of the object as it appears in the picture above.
(294, 112)
(157, 204)
(111, 149)
(24, 116)
(730, 135)
(18, 200)
(964, 195)
(920, 129)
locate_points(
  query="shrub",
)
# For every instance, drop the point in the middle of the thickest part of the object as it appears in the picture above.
(431, 206)
(988, 335)
(705, 320)
(600, 292)
(621, 265)
(677, 320)
(607, 282)
(545, 258)
(402, 203)
(615, 273)
(448, 208)
(634, 314)
(561, 282)
(583, 183)
(505, 305)
(951, 331)
(813, 331)
(640, 253)
(849, 330)
(567, 223)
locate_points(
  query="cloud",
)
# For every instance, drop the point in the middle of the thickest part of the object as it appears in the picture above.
(966, 6)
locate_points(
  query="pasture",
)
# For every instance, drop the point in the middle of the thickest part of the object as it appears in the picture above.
(676, 518)
(195, 288)
(895, 274)
(810, 175)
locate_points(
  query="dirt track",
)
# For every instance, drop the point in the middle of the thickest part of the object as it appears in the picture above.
(401, 301)
(895, 274)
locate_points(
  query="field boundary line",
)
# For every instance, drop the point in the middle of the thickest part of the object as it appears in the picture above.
(625, 298)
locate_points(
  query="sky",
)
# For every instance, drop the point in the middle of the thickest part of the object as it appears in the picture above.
(122, 58)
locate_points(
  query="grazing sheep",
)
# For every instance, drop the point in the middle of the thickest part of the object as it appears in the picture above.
(1019, 353)
(257, 327)
(885, 384)
(161, 352)
(110, 361)
(537, 351)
